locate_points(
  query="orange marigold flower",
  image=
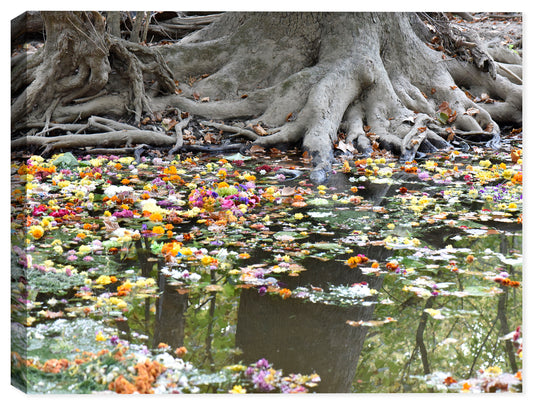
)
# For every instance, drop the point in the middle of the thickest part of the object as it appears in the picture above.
(181, 351)
(356, 260)
(125, 181)
(158, 230)
(121, 386)
(449, 380)
(285, 293)
(466, 387)
(469, 259)
(87, 227)
(162, 345)
(392, 266)
(155, 217)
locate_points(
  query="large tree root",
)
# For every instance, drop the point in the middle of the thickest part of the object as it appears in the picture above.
(379, 78)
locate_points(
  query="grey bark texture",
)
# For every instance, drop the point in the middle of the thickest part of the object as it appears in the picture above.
(304, 76)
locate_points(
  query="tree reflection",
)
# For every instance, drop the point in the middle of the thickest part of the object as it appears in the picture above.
(306, 337)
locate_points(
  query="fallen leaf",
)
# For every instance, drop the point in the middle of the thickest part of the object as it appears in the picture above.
(257, 149)
(259, 130)
(213, 287)
(346, 147)
(288, 191)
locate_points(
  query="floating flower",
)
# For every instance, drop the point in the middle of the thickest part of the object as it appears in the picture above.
(285, 293)
(237, 389)
(36, 231)
(158, 230)
(354, 261)
(103, 280)
(449, 380)
(181, 351)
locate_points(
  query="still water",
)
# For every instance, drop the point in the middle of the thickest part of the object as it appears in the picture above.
(390, 277)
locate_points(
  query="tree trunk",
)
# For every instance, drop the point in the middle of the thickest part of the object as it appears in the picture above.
(380, 78)
(74, 65)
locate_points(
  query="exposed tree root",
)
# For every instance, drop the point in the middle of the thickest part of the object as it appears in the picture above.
(385, 79)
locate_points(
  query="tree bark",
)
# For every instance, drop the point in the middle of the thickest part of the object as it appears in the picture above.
(377, 77)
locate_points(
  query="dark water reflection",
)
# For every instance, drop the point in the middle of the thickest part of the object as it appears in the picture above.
(294, 335)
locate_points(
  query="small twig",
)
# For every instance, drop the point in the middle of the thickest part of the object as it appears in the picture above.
(229, 128)
(178, 128)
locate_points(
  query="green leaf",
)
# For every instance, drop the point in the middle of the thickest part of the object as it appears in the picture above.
(443, 117)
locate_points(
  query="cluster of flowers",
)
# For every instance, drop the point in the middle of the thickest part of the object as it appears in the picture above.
(262, 377)
(235, 200)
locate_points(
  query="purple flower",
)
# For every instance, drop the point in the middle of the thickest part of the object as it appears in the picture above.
(123, 214)
(262, 363)
(262, 290)
(260, 383)
(424, 176)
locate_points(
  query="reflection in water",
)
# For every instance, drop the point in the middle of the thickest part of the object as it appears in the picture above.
(305, 337)
(170, 315)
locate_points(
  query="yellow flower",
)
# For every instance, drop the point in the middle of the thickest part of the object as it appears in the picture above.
(156, 217)
(237, 367)
(493, 370)
(159, 230)
(119, 303)
(298, 216)
(206, 260)
(103, 280)
(237, 389)
(84, 249)
(100, 337)
(36, 231)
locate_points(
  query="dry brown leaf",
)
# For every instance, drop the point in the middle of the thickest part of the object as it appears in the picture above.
(288, 191)
(472, 111)
(257, 149)
(259, 130)
(213, 287)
